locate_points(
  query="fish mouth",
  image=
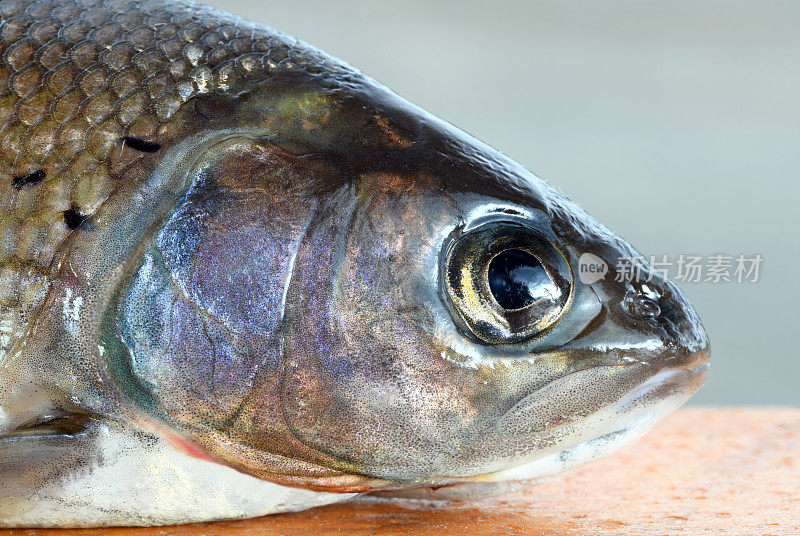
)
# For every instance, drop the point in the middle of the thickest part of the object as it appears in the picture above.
(612, 427)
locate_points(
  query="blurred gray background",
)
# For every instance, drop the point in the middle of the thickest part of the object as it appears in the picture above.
(674, 122)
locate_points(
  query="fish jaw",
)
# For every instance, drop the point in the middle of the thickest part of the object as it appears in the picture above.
(603, 433)
(615, 426)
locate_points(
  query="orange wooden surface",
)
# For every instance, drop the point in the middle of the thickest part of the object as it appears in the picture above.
(701, 472)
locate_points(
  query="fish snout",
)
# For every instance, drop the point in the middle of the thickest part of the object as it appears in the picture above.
(665, 307)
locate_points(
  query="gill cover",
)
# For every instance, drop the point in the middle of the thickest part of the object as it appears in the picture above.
(195, 330)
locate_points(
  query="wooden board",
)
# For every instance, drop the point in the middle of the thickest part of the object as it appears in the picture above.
(701, 472)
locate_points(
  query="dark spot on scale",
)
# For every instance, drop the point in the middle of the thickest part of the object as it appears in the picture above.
(139, 144)
(73, 217)
(31, 178)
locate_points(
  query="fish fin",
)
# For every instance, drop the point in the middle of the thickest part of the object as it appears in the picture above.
(48, 427)
(105, 473)
(41, 451)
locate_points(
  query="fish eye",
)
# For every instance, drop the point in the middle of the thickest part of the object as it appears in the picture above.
(517, 279)
(504, 282)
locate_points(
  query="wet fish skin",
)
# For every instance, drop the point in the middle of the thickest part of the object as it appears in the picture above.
(219, 242)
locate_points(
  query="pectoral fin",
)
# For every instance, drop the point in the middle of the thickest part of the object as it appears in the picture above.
(40, 452)
(77, 471)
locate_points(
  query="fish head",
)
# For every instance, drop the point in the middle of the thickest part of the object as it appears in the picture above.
(418, 311)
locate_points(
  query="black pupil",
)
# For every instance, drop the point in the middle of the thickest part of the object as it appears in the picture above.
(517, 279)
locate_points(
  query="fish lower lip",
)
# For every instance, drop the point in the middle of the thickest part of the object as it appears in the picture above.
(700, 360)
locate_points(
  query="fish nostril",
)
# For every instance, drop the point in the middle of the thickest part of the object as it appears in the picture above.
(647, 307)
(638, 305)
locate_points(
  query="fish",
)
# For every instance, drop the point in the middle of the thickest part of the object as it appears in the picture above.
(240, 277)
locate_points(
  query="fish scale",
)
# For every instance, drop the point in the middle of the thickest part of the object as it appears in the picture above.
(76, 79)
